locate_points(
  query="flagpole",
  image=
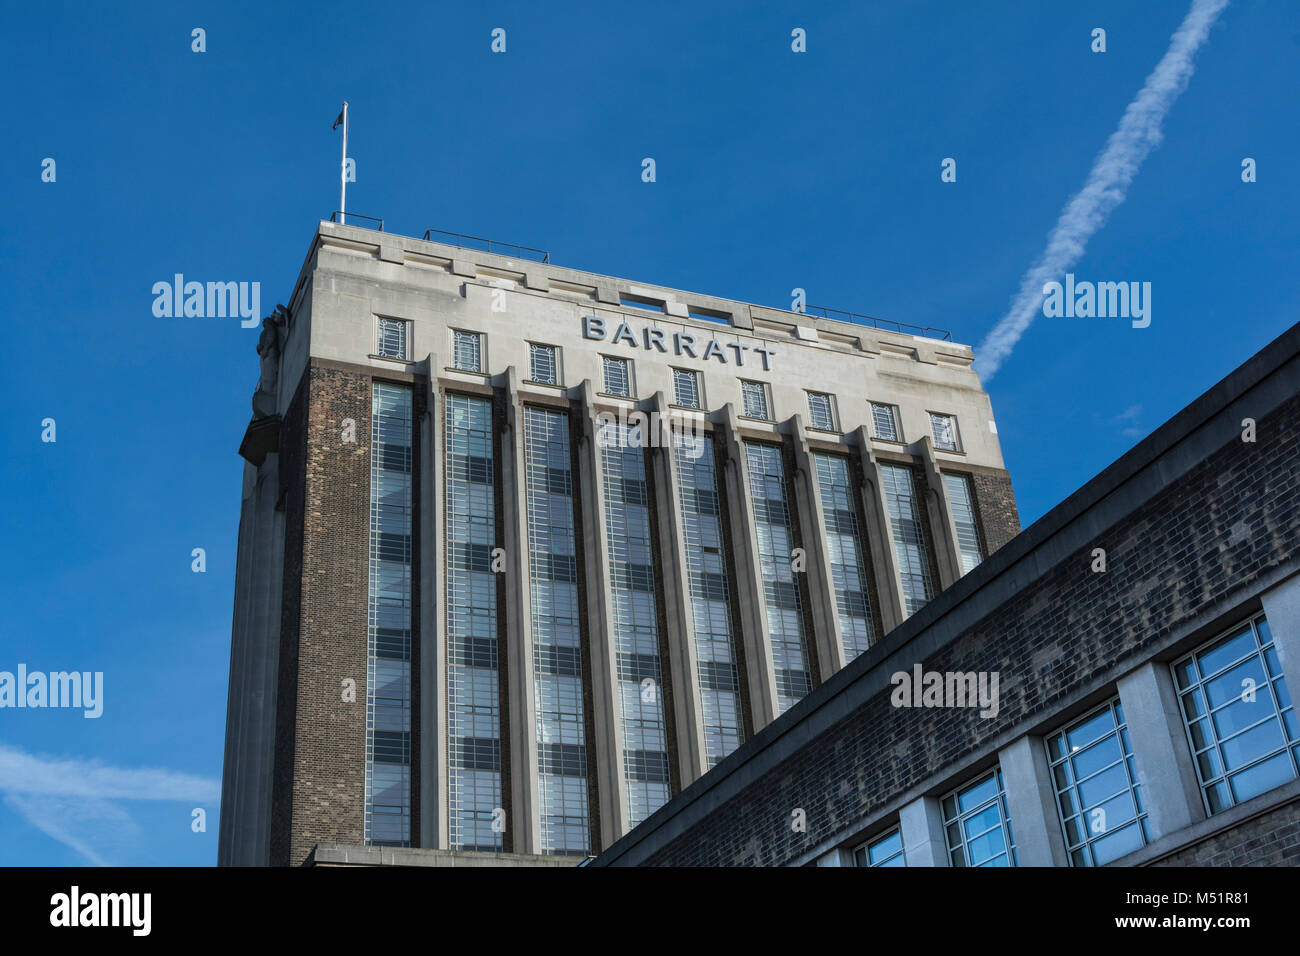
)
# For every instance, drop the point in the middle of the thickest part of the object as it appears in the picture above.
(343, 170)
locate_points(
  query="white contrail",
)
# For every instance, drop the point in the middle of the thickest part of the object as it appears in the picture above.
(21, 772)
(1108, 181)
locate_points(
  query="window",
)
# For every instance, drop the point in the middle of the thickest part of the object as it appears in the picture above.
(909, 536)
(618, 377)
(543, 366)
(390, 338)
(754, 400)
(886, 850)
(1239, 716)
(630, 551)
(884, 418)
(977, 825)
(557, 671)
(944, 428)
(467, 352)
(473, 723)
(1098, 795)
(844, 543)
(708, 584)
(783, 601)
(686, 388)
(821, 411)
(961, 499)
(388, 632)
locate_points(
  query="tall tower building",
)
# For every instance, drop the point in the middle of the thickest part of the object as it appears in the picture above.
(524, 551)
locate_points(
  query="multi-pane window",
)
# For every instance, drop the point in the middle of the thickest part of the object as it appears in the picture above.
(473, 704)
(884, 420)
(754, 400)
(909, 536)
(821, 411)
(961, 499)
(1239, 716)
(557, 655)
(634, 622)
(710, 595)
(467, 351)
(1097, 791)
(977, 824)
(686, 388)
(944, 428)
(886, 850)
(844, 542)
(542, 364)
(388, 684)
(618, 377)
(390, 338)
(782, 600)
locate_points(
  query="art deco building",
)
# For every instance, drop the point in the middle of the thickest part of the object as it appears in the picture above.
(524, 551)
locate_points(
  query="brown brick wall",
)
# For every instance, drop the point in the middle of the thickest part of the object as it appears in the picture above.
(995, 503)
(323, 801)
(1180, 554)
(1270, 839)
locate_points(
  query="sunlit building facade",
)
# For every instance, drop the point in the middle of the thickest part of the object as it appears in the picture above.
(525, 551)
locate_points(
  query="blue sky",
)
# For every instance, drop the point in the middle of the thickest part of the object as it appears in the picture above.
(775, 170)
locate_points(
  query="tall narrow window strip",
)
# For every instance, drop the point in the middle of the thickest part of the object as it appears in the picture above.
(961, 498)
(686, 388)
(557, 654)
(1098, 796)
(786, 627)
(909, 536)
(473, 704)
(844, 542)
(543, 366)
(468, 352)
(821, 413)
(618, 381)
(388, 631)
(885, 421)
(1239, 717)
(634, 622)
(391, 338)
(754, 400)
(705, 550)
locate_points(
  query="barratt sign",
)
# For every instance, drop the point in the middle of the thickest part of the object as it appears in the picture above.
(681, 343)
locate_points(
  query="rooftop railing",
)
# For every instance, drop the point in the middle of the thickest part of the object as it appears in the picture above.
(341, 218)
(462, 241)
(887, 325)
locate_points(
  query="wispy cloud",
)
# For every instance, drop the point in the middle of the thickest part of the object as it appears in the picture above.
(72, 800)
(1128, 422)
(1107, 184)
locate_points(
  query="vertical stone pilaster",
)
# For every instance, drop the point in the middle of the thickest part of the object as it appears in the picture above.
(942, 529)
(433, 623)
(608, 743)
(878, 535)
(826, 640)
(679, 664)
(759, 675)
(519, 704)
